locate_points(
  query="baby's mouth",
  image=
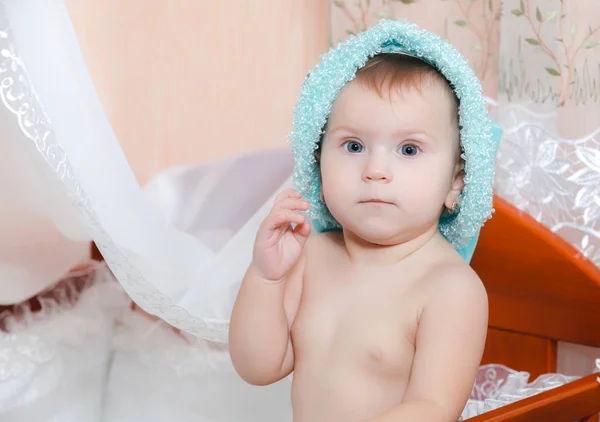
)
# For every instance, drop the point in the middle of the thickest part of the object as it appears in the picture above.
(376, 201)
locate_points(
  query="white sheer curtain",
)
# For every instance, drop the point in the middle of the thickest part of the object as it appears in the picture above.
(59, 125)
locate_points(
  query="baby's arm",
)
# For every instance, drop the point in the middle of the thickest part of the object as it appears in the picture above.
(259, 332)
(259, 335)
(449, 346)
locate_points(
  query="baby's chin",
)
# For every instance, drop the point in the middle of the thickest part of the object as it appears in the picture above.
(379, 231)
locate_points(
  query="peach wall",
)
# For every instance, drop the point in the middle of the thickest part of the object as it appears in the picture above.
(192, 81)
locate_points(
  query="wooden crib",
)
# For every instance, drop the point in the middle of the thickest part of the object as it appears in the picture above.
(541, 291)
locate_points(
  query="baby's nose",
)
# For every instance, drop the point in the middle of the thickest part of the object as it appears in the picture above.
(377, 171)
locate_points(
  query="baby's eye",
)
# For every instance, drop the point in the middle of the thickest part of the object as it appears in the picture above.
(353, 146)
(409, 150)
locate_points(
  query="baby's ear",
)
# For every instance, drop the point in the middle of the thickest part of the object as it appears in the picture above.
(458, 183)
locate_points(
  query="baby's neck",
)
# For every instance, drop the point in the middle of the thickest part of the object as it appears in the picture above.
(363, 252)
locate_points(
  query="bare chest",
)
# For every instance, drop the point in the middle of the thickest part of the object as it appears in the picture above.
(358, 321)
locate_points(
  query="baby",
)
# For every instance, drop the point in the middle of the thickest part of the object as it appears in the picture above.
(382, 320)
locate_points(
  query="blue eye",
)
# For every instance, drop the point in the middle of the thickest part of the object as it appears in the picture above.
(353, 146)
(409, 150)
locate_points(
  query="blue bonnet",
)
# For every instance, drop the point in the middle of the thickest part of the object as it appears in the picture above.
(479, 135)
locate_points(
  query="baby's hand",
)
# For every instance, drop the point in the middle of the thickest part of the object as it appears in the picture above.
(278, 245)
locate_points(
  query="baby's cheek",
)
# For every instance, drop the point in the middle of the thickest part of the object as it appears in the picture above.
(336, 180)
(427, 195)
(337, 194)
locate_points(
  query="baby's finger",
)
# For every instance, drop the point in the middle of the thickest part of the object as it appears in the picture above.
(287, 193)
(302, 231)
(283, 217)
(293, 204)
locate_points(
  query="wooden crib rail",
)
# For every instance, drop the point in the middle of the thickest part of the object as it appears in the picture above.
(577, 400)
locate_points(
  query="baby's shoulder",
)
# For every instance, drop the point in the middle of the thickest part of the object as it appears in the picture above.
(454, 281)
(455, 302)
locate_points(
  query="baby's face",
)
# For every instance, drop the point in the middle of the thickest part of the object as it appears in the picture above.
(389, 165)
